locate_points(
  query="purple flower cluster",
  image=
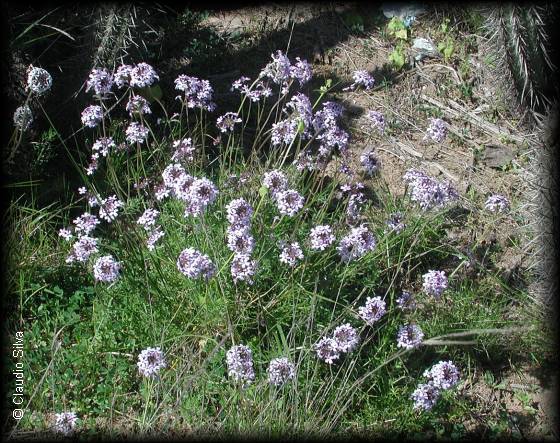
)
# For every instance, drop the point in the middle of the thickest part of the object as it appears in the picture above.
(106, 269)
(240, 240)
(406, 301)
(280, 370)
(122, 75)
(409, 336)
(302, 111)
(275, 181)
(278, 70)
(239, 361)
(109, 208)
(39, 80)
(65, 422)
(239, 212)
(148, 219)
(496, 203)
(100, 80)
(291, 253)
(243, 268)
(153, 237)
(321, 237)
(226, 122)
(82, 249)
(377, 120)
(301, 71)
(326, 129)
(437, 130)
(138, 105)
(150, 362)
(356, 244)
(427, 191)
(194, 264)
(284, 131)
(86, 223)
(369, 162)
(136, 133)
(435, 282)
(345, 338)
(184, 150)
(23, 117)
(373, 310)
(442, 376)
(361, 78)
(92, 116)
(425, 396)
(141, 76)
(66, 234)
(103, 146)
(327, 350)
(289, 202)
(395, 222)
(197, 93)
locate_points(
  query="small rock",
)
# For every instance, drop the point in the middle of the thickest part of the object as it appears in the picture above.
(497, 156)
(422, 48)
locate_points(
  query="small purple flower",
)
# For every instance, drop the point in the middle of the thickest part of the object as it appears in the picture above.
(280, 370)
(182, 189)
(327, 350)
(243, 268)
(289, 202)
(373, 310)
(194, 264)
(369, 162)
(197, 93)
(138, 105)
(435, 282)
(395, 222)
(356, 244)
(275, 181)
(321, 237)
(291, 253)
(184, 150)
(240, 241)
(406, 301)
(66, 234)
(92, 115)
(106, 269)
(240, 84)
(226, 122)
(142, 75)
(100, 80)
(148, 219)
(82, 249)
(425, 396)
(278, 70)
(496, 203)
(302, 111)
(203, 191)
(173, 175)
(136, 133)
(239, 360)
(239, 212)
(65, 422)
(427, 191)
(284, 131)
(122, 75)
(151, 361)
(436, 131)
(109, 208)
(301, 71)
(443, 375)
(346, 337)
(103, 146)
(361, 78)
(259, 91)
(85, 223)
(154, 236)
(38, 80)
(377, 120)
(23, 117)
(409, 336)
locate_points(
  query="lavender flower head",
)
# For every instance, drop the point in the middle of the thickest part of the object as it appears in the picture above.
(226, 122)
(278, 70)
(289, 202)
(23, 117)
(436, 131)
(243, 268)
(173, 175)
(346, 337)
(65, 422)
(109, 208)
(361, 78)
(82, 249)
(425, 396)
(239, 212)
(395, 222)
(321, 237)
(443, 375)
(184, 150)
(280, 370)
(496, 203)
(240, 84)
(369, 162)
(377, 120)
(409, 336)
(92, 115)
(197, 92)
(301, 70)
(373, 310)
(138, 105)
(327, 350)
(66, 234)
(150, 362)
(148, 219)
(106, 269)
(142, 75)
(239, 360)
(356, 244)
(100, 80)
(284, 131)
(154, 236)
(291, 253)
(122, 75)
(103, 146)
(435, 282)
(427, 191)
(275, 181)
(38, 80)
(406, 301)
(240, 241)
(194, 264)
(85, 223)
(136, 133)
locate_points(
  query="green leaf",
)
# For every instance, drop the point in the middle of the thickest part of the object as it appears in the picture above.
(402, 34)
(263, 191)
(152, 93)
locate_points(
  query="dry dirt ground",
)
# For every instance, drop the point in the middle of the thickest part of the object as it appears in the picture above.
(487, 149)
